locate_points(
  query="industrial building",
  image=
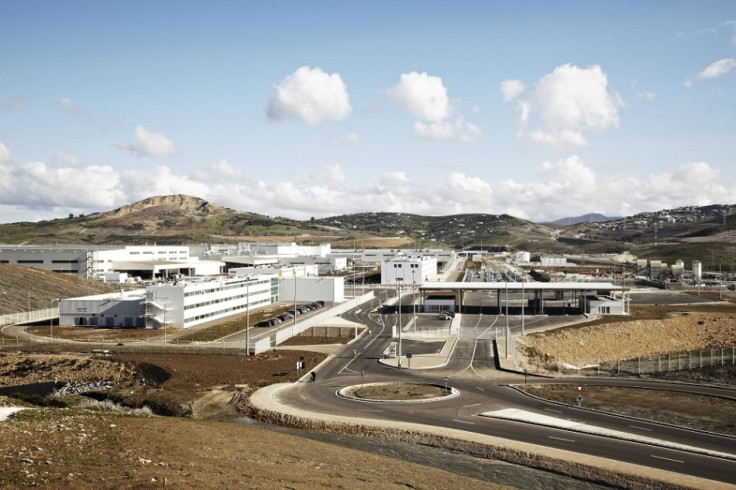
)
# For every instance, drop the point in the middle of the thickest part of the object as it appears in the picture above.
(95, 262)
(408, 270)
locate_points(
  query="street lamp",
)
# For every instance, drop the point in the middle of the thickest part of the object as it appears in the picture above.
(398, 291)
(165, 304)
(51, 321)
(414, 299)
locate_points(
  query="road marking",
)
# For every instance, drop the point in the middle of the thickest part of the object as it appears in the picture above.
(473, 405)
(640, 428)
(667, 459)
(479, 388)
(561, 439)
(553, 410)
(369, 410)
(463, 422)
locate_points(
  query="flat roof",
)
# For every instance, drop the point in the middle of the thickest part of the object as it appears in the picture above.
(518, 286)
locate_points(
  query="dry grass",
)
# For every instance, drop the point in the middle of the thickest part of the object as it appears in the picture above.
(669, 407)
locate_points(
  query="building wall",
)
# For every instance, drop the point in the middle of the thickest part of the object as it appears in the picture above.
(104, 310)
(308, 289)
(408, 270)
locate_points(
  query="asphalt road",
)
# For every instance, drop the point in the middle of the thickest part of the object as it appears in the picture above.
(483, 389)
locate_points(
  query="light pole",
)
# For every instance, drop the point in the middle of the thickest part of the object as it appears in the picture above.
(247, 317)
(399, 282)
(51, 322)
(166, 299)
(414, 300)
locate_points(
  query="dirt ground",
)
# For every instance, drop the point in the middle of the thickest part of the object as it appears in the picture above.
(93, 444)
(683, 409)
(631, 338)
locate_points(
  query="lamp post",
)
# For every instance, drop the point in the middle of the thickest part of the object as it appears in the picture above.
(51, 321)
(247, 317)
(166, 299)
(399, 282)
(414, 300)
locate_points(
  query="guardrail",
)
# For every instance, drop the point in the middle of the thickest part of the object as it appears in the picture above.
(29, 316)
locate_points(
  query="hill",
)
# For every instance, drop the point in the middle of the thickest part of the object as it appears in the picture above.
(586, 218)
(26, 288)
(683, 233)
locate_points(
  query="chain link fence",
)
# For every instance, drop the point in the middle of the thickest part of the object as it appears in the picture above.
(650, 365)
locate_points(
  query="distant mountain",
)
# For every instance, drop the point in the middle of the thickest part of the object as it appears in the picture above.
(179, 219)
(586, 218)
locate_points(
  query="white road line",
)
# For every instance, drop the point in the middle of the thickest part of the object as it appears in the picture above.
(561, 439)
(368, 410)
(463, 422)
(552, 410)
(640, 428)
(473, 405)
(667, 459)
(479, 388)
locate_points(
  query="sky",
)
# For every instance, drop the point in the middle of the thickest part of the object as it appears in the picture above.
(542, 110)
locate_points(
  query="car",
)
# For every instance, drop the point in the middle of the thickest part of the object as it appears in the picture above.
(449, 313)
(443, 316)
(263, 324)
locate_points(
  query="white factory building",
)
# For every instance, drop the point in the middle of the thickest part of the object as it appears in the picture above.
(186, 303)
(408, 270)
(97, 262)
(182, 304)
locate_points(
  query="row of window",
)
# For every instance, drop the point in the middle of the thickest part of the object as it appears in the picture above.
(220, 300)
(235, 285)
(220, 312)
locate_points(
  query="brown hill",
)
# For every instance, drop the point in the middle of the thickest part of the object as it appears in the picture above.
(24, 288)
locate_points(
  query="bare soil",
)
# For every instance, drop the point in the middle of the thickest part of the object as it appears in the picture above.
(631, 338)
(682, 409)
(399, 391)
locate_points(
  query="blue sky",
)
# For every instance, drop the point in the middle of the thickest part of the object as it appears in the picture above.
(541, 110)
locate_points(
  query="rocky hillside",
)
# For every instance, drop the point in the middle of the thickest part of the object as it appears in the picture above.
(161, 219)
(22, 288)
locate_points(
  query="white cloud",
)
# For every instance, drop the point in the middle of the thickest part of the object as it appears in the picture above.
(566, 187)
(4, 153)
(311, 95)
(68, 105)
(564, 105)
(331, 176)
(643, 94)
(425, 97)
(421, 95)
(511, 89)
(718, 68)
(67, 158)
(149, 143)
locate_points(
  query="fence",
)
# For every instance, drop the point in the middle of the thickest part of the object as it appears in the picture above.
(642, 366)
(29, 316)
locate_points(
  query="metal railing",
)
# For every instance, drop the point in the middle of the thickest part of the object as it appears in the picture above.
(651, 365)
(29, 316)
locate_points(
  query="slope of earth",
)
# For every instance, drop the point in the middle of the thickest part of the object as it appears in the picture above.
(629, 339)
(101, 449)
(171, 219)
(24, 288)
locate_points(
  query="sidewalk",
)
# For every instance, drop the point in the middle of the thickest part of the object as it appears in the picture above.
(427, 361)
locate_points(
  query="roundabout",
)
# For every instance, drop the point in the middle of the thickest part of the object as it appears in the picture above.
(390, 392)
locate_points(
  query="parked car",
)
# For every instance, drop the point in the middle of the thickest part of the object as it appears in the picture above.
(449, 313)
(445, 316)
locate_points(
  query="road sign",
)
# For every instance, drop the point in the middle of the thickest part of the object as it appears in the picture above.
(579, 398)
(580, 388)
(408, 355)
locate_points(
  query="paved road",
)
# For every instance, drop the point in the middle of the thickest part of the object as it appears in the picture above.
(483, 389)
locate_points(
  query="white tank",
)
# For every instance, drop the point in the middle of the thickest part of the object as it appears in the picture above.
(697, 270)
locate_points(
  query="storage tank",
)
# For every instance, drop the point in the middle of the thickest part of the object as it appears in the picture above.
(697, 270)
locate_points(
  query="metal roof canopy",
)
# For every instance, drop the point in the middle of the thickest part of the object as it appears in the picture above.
(518, 286)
